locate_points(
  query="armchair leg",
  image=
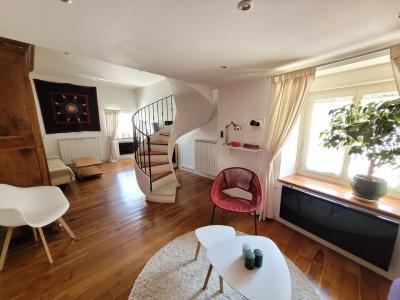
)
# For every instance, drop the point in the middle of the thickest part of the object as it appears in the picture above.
(5, 247)
(46, 248)
(71, 234)
(255, 223)
(212, 217)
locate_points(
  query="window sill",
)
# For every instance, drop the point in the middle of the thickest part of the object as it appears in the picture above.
(387, 206)
(338, 180)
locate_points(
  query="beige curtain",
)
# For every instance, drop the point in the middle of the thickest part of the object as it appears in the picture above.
(288, 92)
(395, 59)
(111, 117)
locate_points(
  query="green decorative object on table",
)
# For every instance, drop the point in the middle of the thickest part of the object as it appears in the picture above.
(258, 258)
(249, 260)
(371, 131)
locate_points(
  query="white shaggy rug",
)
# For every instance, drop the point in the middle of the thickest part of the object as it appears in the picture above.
(172, 273)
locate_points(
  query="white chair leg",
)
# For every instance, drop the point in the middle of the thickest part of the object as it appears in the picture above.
(35, 234)
(197, 251)
(71, 234)
(5, 247)
(46, 248)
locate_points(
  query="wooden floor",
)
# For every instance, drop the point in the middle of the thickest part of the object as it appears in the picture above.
(118, 231)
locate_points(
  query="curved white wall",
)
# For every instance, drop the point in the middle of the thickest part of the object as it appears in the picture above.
(193, 109)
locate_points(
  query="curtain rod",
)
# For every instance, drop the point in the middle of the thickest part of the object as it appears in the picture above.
(335, 61)
(353, 56)
(126, 110)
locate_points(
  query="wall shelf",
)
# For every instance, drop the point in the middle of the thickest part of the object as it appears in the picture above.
(241, 148)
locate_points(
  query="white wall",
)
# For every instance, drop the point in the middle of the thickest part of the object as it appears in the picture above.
(152, 93)
(240, 104)
(109, 97)
(208, 131)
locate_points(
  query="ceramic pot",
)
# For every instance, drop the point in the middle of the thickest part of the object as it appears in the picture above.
(368, 188)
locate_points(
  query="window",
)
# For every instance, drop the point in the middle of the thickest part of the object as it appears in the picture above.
(315, 160)
(125, 126)
(359, 165)
(319, 158)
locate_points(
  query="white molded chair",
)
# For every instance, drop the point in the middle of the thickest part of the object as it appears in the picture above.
(34, 206)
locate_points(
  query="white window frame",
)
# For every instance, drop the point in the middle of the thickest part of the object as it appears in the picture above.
(126, 138)
(357, 93)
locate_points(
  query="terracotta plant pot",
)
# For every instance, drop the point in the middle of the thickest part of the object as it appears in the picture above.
(368, 188)
(234, 144)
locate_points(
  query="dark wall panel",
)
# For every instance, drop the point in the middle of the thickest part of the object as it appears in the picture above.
(365, 235)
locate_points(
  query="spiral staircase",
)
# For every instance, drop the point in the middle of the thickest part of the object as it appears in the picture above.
(157, 127)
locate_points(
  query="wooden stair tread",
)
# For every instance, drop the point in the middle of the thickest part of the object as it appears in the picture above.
(165, 134)
(155, 163)
(158, 143)
(160, 175)
(152, 152)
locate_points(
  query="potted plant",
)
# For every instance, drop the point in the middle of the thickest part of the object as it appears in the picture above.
(371, 131)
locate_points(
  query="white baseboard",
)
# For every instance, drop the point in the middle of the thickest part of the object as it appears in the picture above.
(125, 156)
(191, 170)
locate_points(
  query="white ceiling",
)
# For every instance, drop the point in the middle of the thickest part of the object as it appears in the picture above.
(56, 63)
(191, 39)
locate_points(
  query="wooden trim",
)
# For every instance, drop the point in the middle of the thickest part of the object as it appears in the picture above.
(40, 152)
(386, 206)
(30, 58)
(17, 57)
(17, 46)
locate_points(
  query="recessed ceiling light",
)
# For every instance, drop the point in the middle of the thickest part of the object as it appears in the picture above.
(245, 5)
(66, 1)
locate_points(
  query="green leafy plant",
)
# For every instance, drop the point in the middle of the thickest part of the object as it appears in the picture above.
(371, 130)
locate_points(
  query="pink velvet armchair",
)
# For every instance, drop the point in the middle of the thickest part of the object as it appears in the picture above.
(243, 179)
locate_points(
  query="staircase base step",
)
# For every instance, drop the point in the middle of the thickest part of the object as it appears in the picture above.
(168, 189)
(160, 175)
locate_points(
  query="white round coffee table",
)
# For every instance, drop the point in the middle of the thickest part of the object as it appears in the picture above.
(207, 236)
(271, 281)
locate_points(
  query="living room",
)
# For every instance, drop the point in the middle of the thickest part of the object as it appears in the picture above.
(136, 165)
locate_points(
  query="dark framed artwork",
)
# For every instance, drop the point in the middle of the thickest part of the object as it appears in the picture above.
(67, 108)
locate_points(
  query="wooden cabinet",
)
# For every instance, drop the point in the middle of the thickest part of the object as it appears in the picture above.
(22, 157)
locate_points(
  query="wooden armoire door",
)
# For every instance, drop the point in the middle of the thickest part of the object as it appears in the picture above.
(22, 157)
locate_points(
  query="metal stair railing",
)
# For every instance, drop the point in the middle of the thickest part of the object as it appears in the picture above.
(147, 121)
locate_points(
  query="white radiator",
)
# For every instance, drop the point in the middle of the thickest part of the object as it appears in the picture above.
(206, 157)
(79, 147)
